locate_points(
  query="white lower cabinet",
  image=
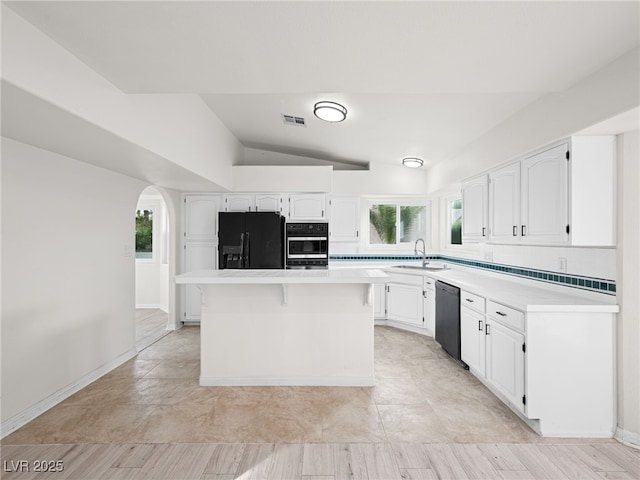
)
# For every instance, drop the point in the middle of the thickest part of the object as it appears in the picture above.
(505, 362)
(492, 347)
(429, 306)
(379, 301)
(404, 303)
(198, 256)
(472, 341)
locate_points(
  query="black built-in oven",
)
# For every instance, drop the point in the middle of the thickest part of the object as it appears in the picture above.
(307, 245)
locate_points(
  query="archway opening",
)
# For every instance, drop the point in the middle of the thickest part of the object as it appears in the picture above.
(152, 270)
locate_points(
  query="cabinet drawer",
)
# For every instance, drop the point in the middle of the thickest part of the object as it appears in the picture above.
(472, 301)
(429, 283)
(506, 315)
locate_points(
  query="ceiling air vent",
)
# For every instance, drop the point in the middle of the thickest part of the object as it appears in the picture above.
(291, 120)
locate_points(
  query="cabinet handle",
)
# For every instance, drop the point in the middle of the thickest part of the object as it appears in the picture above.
(515, 230)
(484, 231)
(469, 300)
(501, 314)
(486, 329)
(479, 325)
(524, 230)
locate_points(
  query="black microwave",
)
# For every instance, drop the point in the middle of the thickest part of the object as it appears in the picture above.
(307, 244)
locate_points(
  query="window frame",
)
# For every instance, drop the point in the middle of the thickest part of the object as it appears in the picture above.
(449, 220)
(405, 247)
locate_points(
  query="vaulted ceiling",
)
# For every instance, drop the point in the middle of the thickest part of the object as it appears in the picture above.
(418, 78)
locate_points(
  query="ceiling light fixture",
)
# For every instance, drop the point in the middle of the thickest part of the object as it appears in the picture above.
(412, 162)
(330, 111)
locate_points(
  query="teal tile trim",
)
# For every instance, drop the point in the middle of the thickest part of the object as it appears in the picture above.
(593, 284)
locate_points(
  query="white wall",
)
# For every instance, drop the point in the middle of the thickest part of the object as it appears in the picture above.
(628, 284)
(381, 179)
(67, 272)
(180, 128)
(605, 94)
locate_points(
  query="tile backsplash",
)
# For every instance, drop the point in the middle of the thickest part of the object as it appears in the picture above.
(604, 282)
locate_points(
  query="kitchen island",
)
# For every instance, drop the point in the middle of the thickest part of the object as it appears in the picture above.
(286, 327)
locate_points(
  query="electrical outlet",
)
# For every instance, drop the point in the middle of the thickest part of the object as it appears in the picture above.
(562, 264)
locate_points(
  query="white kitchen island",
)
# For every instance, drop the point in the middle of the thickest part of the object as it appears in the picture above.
(286, 327)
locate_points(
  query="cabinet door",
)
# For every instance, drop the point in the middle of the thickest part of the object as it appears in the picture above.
(404, 303)
(307, 206)
(429, 311)
(239, 203)
(344, 219)
(505, 362)
(545, 196)
(472, 341)
(474, 210)
(200, 217)
(379, 300)
(504, 204)
(269, 203)
(198, 256)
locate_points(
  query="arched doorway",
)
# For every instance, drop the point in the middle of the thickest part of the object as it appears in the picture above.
(155, 297)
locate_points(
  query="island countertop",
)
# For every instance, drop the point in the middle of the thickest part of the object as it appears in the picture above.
(268, 276)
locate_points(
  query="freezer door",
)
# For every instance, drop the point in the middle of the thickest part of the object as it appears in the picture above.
(231, 230)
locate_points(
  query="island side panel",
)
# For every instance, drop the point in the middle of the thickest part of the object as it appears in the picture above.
(322, 336)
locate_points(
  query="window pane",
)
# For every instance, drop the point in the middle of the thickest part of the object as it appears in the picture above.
(144, 234)
(413, 223)
(382, 224)
(456, 222)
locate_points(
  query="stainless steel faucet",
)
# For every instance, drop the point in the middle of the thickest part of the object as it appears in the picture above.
(424, 249)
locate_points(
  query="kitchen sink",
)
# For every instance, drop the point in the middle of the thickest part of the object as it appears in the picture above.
(425, 268)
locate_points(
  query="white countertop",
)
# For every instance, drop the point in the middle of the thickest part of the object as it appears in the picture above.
(342, 275)
(521, 294)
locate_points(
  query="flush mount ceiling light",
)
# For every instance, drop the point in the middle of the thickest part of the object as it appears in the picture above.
(330, 111)
(412, 162)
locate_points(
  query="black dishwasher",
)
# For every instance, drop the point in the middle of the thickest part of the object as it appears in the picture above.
(448, 319)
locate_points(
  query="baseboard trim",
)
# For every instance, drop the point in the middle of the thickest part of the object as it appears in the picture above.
(153, 305)
(366, 381)
(631, 439)
(24, 417)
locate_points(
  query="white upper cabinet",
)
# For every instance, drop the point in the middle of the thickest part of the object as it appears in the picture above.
(544, 196)
(474, 209)
(344, 218)
(307, 206)
(560, 195)
(592, 169)
(239, 203)
(266, 202)
(200, 217)
(504, 198)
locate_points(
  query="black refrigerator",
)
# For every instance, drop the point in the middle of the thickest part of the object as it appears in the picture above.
(251, 240)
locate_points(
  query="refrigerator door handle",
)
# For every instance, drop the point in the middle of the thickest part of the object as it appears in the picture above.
(241, 259)
(246, 251)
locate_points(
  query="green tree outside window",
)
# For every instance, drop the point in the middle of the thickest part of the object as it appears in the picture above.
(144, 234)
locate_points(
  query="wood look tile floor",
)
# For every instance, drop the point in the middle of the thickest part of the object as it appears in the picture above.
(151, 326)
(425, 418)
